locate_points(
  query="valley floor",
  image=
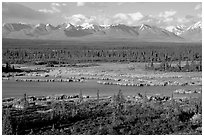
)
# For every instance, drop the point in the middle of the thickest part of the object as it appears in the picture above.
(165, 112)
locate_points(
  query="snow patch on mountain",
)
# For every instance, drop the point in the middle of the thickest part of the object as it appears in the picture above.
(178, 30)
(197, 25)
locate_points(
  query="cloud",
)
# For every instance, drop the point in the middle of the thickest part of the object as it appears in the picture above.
(188, 20)
(46, 11)
(121, 16)
(56, 4)
(198, 7)
(136, 16)
(152, 20)
(97, 5)
(77, 19)
(167, 14)
(127, 18)
(168, 20)
(199, 15)
(163, 20)
(80, 16)
(54, 8)
(120, 3)
(104, 20)
(18, 11)
(182, 20)
(80, 4)
(189, 16)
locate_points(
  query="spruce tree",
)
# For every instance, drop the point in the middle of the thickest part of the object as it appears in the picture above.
(6, 124)
(98, 96)
(80, 96)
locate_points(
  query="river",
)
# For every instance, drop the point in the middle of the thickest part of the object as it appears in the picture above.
(11, 88)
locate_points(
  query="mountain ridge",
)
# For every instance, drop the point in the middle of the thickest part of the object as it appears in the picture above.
(88, 31)
(192, 33)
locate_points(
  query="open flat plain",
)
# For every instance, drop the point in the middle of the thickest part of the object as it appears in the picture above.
(108, 78)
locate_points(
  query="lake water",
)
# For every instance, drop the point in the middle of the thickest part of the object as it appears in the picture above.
(11, 88)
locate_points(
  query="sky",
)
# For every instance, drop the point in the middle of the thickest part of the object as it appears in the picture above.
(103, 13)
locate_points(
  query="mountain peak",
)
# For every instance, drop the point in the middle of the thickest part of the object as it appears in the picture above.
(197, 25)
(87, 26)
(105, 26)
(40, 25)
(180, 27)
(69, 25)
(193, 32)
(117, 25)
(144, 26)
(11, 27)
(47, 25)
(178, 30)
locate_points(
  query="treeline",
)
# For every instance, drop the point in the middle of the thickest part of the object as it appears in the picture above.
(117, 116)
(166, 65)
(10, 68)
(94, 54)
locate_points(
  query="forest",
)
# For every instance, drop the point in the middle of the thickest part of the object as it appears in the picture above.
(114, 116)
(78, 52)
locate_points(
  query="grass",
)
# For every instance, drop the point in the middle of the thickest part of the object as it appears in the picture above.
(117, 116)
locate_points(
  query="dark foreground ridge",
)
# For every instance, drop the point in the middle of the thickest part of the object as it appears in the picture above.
(116, 115)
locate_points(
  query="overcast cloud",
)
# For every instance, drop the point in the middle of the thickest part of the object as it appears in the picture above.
(104, 13)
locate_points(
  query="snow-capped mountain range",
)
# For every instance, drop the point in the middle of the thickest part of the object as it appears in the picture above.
(88, 31)
(191, 33)
(178, 30)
